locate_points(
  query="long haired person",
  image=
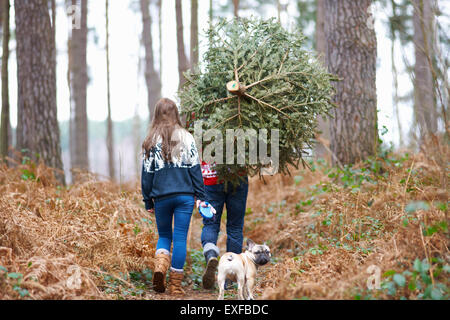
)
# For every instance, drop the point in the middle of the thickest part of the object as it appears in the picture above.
(171, 181)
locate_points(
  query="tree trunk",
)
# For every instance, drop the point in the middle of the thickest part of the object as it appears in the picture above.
(137, 140)
(53, 10)
(152, 78)
(395, 96)
(424, 97)
(194, 34)
(351, 55)
(323, 142)
(321, 41)
(5, 127)
(183, 63)
(2, 8)
(279, 11)
(211, 20)
(78, 82)
(236, 8)
(109, 132)
(211, 13)
(37, 122)
(160, 37)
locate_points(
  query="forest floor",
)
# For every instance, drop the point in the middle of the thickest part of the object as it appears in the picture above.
(333, 233)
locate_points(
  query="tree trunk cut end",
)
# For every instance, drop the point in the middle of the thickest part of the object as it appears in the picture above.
(236, 88)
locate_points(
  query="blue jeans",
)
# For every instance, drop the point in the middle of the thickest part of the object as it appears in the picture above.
(178, 207)
(235, 199)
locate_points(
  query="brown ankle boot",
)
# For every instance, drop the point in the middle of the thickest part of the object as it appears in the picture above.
(174, 286)
(162, 263)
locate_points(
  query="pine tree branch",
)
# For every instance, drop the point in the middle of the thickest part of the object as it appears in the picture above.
(225, 121)
(253, 55)
(266, 104)
(219, 100)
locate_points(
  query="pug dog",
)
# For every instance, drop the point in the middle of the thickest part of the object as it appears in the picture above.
(241, 268)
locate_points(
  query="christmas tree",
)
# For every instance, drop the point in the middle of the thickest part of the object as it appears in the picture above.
(257, 75)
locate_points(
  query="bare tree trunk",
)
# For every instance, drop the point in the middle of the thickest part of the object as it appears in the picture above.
(323, 138)
(236, 8)
(194, 56)
(351, 55)
(151, 76)
(72, 105)
(160, 37)
(395, 97)
(1, 15)
(110, 132)
(321, 41)
(137, 139)
(424, 97)
(279, 11)
(37, 122)
(211, 13)
(5, 128)
(78, 82)
(183, 63)
(211, 19)
(53, 9)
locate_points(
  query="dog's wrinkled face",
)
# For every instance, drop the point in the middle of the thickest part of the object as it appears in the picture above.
(260, 252)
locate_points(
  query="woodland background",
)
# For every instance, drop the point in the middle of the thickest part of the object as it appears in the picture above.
(82, 233)
(392, 20)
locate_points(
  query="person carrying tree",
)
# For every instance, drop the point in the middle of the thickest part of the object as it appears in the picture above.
(171, 181)
(234, 196)
(255, 77)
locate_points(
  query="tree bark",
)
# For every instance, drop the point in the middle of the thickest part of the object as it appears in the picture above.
(160, 37)
(78, 82)
(194, 56)
(137, 140)
(183, 63)
(395, 95)
(5, 127)
(211, 20)
(279, 11)
(211, 13)
(152, 78)
(321, 41)
(424, 97)
(323, 123)
(109, 123)
(37, 127)
(53, 10)
(236, 8)
(351, 55)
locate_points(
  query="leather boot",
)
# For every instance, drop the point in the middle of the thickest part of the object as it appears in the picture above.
(175, 279)
(162, 263)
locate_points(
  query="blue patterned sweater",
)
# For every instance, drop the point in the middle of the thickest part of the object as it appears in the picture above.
(183, 175)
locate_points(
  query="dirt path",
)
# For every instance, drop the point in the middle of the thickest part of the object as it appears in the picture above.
(193, 290)
(260, 197)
